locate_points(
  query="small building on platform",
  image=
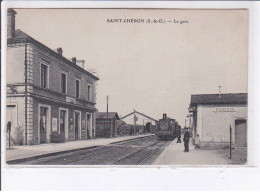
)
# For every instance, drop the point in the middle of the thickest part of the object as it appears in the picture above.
(106, 124)
(214, 114)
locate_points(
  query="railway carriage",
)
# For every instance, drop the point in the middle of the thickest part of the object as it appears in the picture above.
(168, 128)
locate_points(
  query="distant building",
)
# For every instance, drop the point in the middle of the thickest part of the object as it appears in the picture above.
(212, 116)
(123, 128)
(49, 98)
(106, 124)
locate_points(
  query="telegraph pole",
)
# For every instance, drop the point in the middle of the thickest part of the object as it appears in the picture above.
(107, 118)
(230, 142)
(134, 121)
(189, 121)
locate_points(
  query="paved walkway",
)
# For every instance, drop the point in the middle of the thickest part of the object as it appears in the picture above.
(20, 152)
(174, 155)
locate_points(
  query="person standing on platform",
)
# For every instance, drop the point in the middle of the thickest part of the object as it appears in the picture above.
(186, 140)
(197, 142)
(179, 137)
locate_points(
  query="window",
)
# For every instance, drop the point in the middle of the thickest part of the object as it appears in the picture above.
(44, 76)
(63, 83)
(88, 122)
(77, 88)
(89, 92)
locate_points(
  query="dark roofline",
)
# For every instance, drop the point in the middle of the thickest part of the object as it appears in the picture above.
(219, 102)
(218, 94)
(11, 10)
(115, 113)
(31, 40)
(241, 102)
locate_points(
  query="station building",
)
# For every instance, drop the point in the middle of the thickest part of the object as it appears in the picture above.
(106, 124)
(49, 98)
(214, 114)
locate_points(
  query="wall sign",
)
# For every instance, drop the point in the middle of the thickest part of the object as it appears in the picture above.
(83, 125)
(225, 109)
(54, 124)
(70, 99)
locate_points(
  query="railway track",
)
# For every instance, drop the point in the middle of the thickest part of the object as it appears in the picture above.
(132, 146)
(130, 141)
(132, 152)
(141, 156)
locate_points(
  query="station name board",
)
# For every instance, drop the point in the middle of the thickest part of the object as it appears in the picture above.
(70, 99)
(225, 109)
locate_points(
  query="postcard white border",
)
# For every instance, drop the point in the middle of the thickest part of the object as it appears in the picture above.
(166, 178)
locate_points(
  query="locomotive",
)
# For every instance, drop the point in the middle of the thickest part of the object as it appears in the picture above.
(168, 128)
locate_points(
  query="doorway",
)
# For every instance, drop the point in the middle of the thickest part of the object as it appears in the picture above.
(148, 127)
(77, 125)
(12, 116)
(89, 126)
(43, 124)
(241, 132)
(62, 124)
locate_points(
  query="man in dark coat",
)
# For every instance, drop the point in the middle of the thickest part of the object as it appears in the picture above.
(179, 137)
(186, 140)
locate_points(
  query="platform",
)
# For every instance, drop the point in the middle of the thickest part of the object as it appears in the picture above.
(20, 152)
(174, 155)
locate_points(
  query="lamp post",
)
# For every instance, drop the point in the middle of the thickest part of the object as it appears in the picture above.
(107, 118)
(189, 117)
(189, 121)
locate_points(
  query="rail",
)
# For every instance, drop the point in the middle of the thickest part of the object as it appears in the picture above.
(138, 151)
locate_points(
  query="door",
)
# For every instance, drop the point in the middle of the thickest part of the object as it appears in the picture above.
(11, 115)
(148, 127)
(43, 124)
(88, 127)
(76, 125)
(62, 124)
(241, 133)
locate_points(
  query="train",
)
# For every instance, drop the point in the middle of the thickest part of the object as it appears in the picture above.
(168, 128)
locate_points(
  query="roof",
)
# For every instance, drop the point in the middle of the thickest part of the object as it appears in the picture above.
(10, 10)
(20, 34)
(21, 37)
(235, 98)
(103, 115)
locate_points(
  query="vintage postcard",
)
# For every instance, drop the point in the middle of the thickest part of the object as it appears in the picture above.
(126, 87)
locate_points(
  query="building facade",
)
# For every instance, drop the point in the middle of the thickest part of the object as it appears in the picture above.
(106, 124)
(214, 114)
(49, 98)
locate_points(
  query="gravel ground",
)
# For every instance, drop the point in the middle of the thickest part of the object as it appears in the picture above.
(239, 155)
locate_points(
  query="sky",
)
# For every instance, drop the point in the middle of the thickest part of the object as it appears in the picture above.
(150, 67)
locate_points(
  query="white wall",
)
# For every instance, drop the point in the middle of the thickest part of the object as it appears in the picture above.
(15, 65)
(15, 115)
(213, 126)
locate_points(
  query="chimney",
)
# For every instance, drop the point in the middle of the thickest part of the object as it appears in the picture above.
(81, 63)
(10, 23)
(164, 117)
(74, 60)
(59, 51)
